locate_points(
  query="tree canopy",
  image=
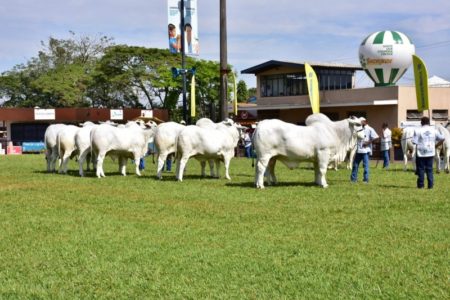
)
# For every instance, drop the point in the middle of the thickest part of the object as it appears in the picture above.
(83, 71)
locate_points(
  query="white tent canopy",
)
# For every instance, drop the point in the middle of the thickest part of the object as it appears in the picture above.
(436, 81)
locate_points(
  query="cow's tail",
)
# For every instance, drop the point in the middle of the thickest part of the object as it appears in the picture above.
(252, 148)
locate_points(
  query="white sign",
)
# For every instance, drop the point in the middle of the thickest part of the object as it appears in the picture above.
(116, 114)
(147, 113)
(44, 114)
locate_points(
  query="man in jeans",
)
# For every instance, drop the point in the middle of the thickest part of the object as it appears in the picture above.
(364, 148)
(425, 138)
(385, 144)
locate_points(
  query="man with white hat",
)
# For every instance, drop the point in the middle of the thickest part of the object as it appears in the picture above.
(363, 150)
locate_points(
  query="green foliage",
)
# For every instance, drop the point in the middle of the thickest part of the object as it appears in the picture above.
(396, 136)
(57, 77)
(66, 237)
(252, 92)
(85, 71)
(242, 92)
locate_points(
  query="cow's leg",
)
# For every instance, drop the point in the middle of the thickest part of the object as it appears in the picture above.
(48, 155)
(203, 167)
(211, 167)
(123, 165)
(322, 167)
(161, 160)
(216, 173)
(446, 153)
(405, 161)
(226, 162)
(88, 159)
(437, 159)
(351, 157)
(180, 166)
(100, 158)
(137, 160)
(260, 169)
(413, 159)
(177, 168)
(64, 162)
(81, 159)
(271, 178)
(53, 159)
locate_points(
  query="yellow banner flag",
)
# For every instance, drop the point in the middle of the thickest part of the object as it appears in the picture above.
(313, 88)
(235, 102)
(193, 96)
(421, 80)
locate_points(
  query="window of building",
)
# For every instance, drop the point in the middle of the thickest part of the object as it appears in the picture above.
(295, 84)
(413, 115)
(440, 114)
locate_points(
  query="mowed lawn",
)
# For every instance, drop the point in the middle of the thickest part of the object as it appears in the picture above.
(65, 237)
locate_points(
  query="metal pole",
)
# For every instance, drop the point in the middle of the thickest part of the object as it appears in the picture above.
(183, 56)
(223, 61)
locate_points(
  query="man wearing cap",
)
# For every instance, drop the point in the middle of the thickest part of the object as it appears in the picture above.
(425, 138)
(363, 150)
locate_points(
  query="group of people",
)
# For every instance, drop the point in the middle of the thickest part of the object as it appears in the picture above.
(425, 138)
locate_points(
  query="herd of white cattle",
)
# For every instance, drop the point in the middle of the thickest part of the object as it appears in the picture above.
(322, 142)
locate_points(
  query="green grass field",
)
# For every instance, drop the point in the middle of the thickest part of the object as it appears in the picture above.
(66, 237)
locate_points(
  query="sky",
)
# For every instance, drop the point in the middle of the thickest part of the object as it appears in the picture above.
(257, 30)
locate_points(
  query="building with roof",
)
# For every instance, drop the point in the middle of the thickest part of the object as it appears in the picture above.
(282, 93)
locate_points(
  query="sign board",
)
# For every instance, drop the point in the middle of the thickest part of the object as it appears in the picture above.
(116, 114)
(16, 150)
(191, 43)
(147, 113)
(44, 114)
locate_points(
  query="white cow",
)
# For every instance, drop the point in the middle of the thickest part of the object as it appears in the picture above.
(66, 145)
(408, 148)
(51, 153)
(351, 147)
(319, 142)
(124, 142)
(83, 144)
(165, 142)
(207, 123)
(444, 148)
(208, 143)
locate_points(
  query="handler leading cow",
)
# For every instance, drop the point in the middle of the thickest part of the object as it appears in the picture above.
(319, 142)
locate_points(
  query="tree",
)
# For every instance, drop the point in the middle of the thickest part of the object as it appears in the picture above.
(252, 92)
(58, 77)
(242, 92)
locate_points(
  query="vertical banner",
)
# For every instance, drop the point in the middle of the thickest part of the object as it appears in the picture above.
(235, 101)
(192, 106)
(192, 46)
(313, 88)
(421, 81)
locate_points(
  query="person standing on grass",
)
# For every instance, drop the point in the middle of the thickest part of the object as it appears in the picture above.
(248, 144)
(425, 139)
(385, 144)
(363, 150)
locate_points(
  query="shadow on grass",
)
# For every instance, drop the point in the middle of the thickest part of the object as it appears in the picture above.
(250, 184)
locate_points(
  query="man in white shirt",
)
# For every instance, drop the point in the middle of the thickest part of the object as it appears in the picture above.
(425, 139)
(385, 144)
(364, 148)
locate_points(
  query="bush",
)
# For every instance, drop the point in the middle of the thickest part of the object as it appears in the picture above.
(396, 136)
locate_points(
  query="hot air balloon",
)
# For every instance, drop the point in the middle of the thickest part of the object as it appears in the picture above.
(385, 56)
